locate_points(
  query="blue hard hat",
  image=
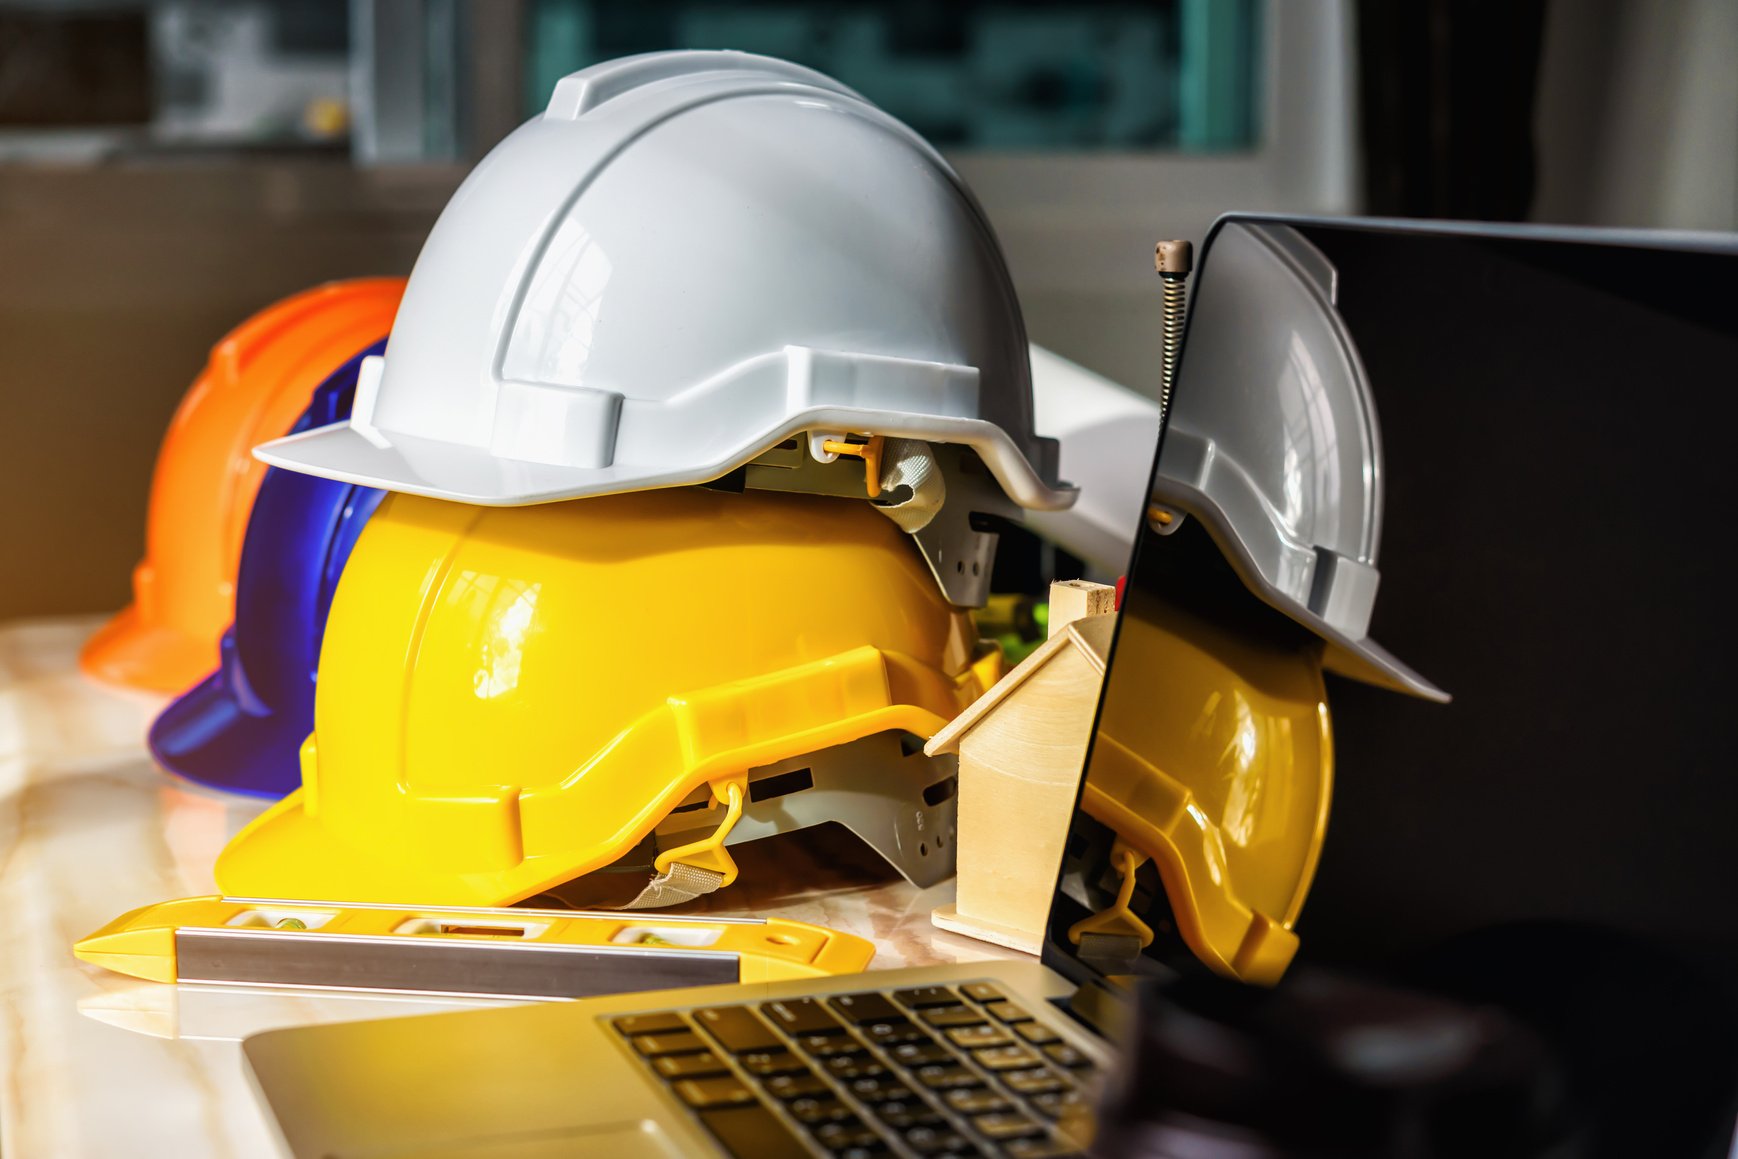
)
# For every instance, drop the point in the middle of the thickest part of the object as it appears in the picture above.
(242, 727)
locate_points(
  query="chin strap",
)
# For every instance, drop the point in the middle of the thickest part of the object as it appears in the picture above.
(1113, 938)
(676, 885)
(697, 869)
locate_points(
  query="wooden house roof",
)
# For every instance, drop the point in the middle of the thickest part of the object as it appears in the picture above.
(1091, 635)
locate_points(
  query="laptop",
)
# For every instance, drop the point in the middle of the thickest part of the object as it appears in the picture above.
(1554, 506)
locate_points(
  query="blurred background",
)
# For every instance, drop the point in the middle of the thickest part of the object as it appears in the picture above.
(169, 166)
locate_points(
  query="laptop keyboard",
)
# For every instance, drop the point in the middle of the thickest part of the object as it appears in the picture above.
(932, 1071)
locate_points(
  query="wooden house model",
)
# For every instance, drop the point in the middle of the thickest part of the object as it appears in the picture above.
(1021, 746)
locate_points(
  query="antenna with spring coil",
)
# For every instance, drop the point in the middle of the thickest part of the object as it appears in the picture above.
(1173, 260)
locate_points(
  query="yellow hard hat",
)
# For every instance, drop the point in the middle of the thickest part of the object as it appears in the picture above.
(1214, 760)
(510, 698)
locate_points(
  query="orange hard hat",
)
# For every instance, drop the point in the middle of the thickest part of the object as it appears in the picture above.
(257, 382)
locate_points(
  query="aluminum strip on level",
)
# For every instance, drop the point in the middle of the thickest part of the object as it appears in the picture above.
(401, 965)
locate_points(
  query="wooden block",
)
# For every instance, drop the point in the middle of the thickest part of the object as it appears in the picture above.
(1072, 600)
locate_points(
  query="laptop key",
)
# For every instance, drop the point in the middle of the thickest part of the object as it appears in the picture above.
(689, 1066)
(912, 1054)
(938, 1140)
(849, 1067)
(974, 1037)
(737, 1029)
(953, 1016)
(1007, 1012)
(830, 1045)
(674, 1042)
(975, 1101)
(1036, 1081)
(1005, 1058)
(632, 1024)
(923, 996)
(795, 1086)
(862, 1009)
(892, 1033)
(947, 1078)
(1064, 1055)
(817, 1109)
(1059, 1104)
(752, 1131)
(901, 1114)
(766, 1063)
(1037, 1033)
(982, 992)
(852, 1132)
(797, 1016)
(879, 1089)
(723, 1091)
(1003, 1125)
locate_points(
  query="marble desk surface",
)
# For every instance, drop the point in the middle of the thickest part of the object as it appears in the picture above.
(97, 1064)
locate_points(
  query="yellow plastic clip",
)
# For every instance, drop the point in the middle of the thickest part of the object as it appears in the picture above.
(1118, 919)
(709, 852)
(869, 452)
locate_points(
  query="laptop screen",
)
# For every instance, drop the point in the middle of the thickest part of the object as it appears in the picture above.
(1555, 469)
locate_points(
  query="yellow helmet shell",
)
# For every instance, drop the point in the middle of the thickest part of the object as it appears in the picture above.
(510, 698)
(1214, 758)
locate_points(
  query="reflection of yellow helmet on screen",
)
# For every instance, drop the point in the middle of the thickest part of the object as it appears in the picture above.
(1218, 769)
(510, 698)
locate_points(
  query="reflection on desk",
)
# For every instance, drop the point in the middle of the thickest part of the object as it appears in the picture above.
(95, 1063)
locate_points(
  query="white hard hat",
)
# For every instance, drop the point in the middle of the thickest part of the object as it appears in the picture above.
(687, 260)
(1106, 435)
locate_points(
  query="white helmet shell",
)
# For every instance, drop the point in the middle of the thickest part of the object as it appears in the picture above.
(688, 259)
(1106, 435)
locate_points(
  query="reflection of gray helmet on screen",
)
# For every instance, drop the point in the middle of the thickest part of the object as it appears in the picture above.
(1273, 443)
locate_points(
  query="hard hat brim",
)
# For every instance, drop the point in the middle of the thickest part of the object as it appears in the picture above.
(130, 652)
(207, 737)
(284, 852)
(463, 473)
(1355, 657)
(1369, 662)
